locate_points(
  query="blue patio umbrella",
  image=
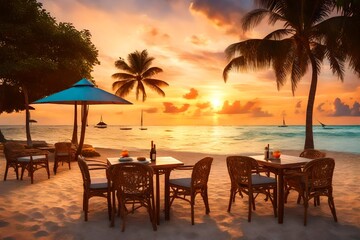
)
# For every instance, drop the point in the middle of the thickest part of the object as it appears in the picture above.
(83, 93)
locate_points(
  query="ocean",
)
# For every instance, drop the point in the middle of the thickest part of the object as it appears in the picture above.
(204, 139)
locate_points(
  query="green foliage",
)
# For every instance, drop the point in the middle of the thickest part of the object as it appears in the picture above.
(39, 54)
(138, 73)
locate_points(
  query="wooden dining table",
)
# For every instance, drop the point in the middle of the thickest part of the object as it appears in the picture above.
(162, 165)
(278, 166)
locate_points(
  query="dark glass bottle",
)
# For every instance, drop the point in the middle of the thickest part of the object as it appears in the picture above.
(151, 149)
(153, 154)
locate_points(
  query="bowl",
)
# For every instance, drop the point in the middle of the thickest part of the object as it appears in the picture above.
(141, 158)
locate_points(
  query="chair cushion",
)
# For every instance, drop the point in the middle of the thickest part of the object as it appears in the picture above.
(97, 183)
(27, 158)
(184, 182)
(259, 179)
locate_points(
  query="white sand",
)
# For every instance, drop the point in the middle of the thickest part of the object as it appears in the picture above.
(52, 208)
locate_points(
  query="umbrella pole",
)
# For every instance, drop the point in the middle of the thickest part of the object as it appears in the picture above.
(74, 139)
(84, 111)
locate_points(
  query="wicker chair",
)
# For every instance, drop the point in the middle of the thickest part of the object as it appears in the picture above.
(245, 178)
(307, 153)
(313, 182)
(94, 187)
(132, 184)
(197, 184)
(63, 153)
(17, 156)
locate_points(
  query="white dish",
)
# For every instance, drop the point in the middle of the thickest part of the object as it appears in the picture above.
(125, 159)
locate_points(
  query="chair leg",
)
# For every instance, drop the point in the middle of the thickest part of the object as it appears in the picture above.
(55, 165)
(108, 197)
(6, 171)
(152, 214)
(47, 169)
(192, 202)
(306, 205)
(232, 197)
(250, 203)
(204, 195)
(86, 207)
(332, 207)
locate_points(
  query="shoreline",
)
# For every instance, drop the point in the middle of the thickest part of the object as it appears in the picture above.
(52, 208)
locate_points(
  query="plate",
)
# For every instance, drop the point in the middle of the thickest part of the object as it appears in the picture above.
(143, 162)
(125, 159)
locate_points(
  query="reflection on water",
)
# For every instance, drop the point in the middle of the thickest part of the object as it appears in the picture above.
(205, 139)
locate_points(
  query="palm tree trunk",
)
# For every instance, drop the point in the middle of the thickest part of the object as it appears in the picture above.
(27, 116)
(309, 137)
(84, 110)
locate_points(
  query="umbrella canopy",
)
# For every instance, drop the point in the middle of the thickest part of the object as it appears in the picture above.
(85, 93)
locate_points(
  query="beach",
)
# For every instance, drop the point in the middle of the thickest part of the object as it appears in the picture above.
(52, 208)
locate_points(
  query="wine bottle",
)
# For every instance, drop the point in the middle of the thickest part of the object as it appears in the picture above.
(153, 154)
(151, 149)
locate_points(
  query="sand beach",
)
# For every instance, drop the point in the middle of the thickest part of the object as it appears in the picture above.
(52, 208)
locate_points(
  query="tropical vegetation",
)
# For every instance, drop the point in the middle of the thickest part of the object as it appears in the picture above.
(137, 73)
(38, 56)
(313, 31)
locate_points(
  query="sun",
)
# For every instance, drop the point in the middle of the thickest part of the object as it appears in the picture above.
(216, 103)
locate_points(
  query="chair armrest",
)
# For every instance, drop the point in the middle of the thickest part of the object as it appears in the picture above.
(89, 161)
(185, 167)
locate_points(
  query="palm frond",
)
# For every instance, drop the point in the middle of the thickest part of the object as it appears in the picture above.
(123, 76)
(156, 88)
(236, 63)
(253, 18)
(151, 72)
(122, 65)
(125, 88)
(279, 34)
(155, 82)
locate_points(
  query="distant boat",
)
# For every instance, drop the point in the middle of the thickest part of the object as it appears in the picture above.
(101, 124)
(323, 125)
(141, 122)
(125, 128)
(284, 124)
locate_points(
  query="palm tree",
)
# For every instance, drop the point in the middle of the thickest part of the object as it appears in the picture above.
(137, 73)
(308, 36)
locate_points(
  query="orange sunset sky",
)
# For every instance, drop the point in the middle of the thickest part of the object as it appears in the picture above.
(188, 39)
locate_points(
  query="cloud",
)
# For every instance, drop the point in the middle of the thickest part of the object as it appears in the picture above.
(298, 104)
(342, 109)
(224, 13)
(151, 110)
(193, 94)
(258, 112)
(236, 108)
(152, 35)
(170, 108)
(320, 107)
(199, 40)
(203, 105)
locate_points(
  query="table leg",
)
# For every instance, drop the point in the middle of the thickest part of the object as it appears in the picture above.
(157, 198)
(167, 194)
(281, 196)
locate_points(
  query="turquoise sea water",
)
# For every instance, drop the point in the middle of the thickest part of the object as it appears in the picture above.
(204, 139)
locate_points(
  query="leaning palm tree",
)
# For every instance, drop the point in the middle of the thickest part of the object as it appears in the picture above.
(308, 36)
(137, 73)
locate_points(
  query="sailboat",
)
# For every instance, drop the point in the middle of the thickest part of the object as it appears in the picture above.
(101, 124)
(324, 125)
(141, 122)
(284, 124)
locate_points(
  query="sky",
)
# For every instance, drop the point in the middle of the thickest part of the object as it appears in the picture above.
(187, 38)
